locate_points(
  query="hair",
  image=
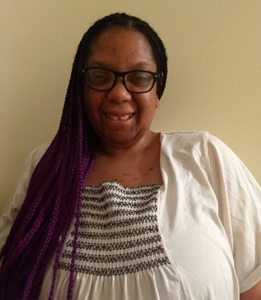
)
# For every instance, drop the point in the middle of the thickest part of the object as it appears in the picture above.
(53, 196)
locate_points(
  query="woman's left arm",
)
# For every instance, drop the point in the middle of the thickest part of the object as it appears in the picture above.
(253, 294)
(239, 198)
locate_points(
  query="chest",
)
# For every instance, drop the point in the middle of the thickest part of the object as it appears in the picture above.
(133, 171)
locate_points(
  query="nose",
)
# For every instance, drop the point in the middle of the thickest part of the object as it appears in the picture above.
(119, 93)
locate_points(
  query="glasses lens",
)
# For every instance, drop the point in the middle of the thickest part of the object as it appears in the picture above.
(99, 79)
(139, 81)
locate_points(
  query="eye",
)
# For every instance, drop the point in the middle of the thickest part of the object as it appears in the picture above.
(139, 78)
(99, 77)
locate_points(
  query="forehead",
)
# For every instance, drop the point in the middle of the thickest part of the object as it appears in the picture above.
(121, 45)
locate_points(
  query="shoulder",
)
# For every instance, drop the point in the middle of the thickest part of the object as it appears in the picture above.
(198, 147)
(15, 201)
(38, 152)
(185, 150)
(185, 142)
(30, 163)
(201, 141)
(34, 157)
(184, 137)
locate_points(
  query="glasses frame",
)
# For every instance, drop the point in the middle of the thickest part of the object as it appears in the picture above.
(156, 77)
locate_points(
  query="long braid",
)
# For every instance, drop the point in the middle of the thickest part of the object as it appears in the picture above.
(53, 197)
(47, 206)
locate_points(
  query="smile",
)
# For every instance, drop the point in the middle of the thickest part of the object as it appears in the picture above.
(121, 117)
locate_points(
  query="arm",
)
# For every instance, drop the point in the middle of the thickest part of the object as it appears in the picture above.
(238, 196)
(13, 207)
(253, 294)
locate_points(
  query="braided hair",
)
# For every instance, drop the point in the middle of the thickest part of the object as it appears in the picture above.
(53, 196)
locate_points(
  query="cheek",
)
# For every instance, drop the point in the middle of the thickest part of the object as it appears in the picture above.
(86, 96)
(91, 100)
(153, 102)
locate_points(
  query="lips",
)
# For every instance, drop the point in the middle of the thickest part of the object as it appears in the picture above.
(121, 117)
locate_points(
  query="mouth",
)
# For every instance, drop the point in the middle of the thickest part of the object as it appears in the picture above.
(119, 117)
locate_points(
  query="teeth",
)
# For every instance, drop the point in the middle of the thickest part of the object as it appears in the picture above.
(112, 117)
(123, 117)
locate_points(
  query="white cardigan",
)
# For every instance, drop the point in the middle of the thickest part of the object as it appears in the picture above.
(209, 221)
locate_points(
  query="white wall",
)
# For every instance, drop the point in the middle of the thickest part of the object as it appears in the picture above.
(214, 50)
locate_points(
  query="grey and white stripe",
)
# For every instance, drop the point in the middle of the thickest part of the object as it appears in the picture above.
(118, 231)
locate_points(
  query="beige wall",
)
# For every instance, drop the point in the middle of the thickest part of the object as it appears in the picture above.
(214, 50)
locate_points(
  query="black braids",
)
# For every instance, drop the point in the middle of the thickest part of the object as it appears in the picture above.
(20, 229)
(75, 131)
(35, 241)
(130, 22)
(70, 95)
(159, 53)
(163, 62)
(70, 212)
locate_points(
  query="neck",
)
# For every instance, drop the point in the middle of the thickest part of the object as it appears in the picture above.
(131, 149)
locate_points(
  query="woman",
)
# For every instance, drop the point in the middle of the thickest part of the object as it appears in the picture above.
(116, 211)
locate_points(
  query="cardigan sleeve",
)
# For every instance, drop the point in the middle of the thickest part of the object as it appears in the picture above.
(239, 200)
(13, 206)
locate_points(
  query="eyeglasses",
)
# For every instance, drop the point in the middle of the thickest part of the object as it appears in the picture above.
(136, 81)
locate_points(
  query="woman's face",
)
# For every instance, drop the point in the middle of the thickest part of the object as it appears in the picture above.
(121, 118)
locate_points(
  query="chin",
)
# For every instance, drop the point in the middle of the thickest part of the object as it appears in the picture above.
(120, 140)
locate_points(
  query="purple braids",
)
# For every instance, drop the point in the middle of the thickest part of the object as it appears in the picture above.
(53, 197)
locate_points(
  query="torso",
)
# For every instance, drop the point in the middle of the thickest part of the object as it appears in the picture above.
(182, 215)
(137, 169)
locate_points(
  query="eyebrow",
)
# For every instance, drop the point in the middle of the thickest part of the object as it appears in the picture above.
(139, 65)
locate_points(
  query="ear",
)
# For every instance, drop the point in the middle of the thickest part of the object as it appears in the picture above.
(157, 102)
(159, 83)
